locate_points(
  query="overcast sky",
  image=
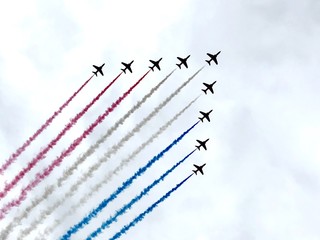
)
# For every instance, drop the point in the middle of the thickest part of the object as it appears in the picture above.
(262, 176)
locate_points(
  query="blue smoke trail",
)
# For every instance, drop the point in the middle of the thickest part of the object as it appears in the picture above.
(135, 199)
(149, 209)
(125, 185)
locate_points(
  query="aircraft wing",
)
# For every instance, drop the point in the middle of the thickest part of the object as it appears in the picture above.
(210, 55)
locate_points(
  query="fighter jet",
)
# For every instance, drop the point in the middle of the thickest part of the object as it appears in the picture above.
(127, 66)
(183, 61)
(155, 64)
(202, 144)
(213, 57)
(99, 69)
(205, 115)
(209, 87)
(198, 168)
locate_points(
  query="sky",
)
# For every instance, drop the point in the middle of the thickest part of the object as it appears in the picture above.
(262, 175)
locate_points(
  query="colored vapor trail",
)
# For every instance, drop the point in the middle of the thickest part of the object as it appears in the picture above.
(122, 164)
(147, 211)
(95, 146)
(75, 187)
(116, 147)
(125, 185)
(42, 153)
(57, 161)
(21, 149)
(127, 206)
(67, 173)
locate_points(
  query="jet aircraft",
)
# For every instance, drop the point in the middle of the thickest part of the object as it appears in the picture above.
(213, 57)
(209, 87)
(205, 115)
(155, 64)
(202, 144)
(127, 66)
(183, 61)
(198, 168)
(98, 69)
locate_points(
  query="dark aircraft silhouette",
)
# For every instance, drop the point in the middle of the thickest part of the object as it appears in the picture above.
(202, 144)
(155, 64)
(127, 66)
(183, 61)
(99, 69)
(209, 87)
(198, 168)
(213, 58)
(205, 116)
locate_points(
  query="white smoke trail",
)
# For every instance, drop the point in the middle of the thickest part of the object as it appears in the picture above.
(114, 149)
(67, 173)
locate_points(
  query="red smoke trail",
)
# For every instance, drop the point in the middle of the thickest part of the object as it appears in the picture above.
(41, 155)
(21, 149)
(46, 172)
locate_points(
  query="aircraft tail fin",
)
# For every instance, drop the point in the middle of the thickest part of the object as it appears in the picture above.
(201, 118)
(123, 70)
(195, 171)
(209, 62)
(151, 68)
(179, 65)
(198, 147)
(95, 73)
(204, 90)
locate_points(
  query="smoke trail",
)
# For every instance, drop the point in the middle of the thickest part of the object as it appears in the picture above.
(42, 153)
(125, 185)
(116, 147)
(46, 213)
(80, 160)
(127, 206)
(21, 149)
(126, 138)
(147, 211)
(94, 147)
(110, 174)
(57, 161)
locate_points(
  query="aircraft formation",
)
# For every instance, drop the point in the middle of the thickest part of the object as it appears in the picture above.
(183, 61)
(41, 175)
